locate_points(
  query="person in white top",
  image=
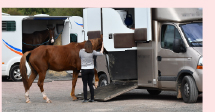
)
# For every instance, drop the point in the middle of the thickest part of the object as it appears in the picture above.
(87, 68)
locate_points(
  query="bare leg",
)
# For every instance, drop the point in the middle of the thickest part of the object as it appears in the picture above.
(30, 81)
(96, 78)
(40, 84)
(74, 80)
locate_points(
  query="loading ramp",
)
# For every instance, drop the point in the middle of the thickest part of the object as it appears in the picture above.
(110, 91)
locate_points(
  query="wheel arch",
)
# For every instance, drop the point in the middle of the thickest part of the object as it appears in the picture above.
(13, 61)
(17, 63)
(102, 72)
(183, 73)
(179, 79)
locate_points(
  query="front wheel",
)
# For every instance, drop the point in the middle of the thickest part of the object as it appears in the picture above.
(103, 81)
(189, 90)
(154, 92)
(15, 74)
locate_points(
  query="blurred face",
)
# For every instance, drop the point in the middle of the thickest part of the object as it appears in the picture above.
(88, 47)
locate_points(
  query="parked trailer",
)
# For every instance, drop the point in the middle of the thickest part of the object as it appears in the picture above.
(70, 29)
(155, 49)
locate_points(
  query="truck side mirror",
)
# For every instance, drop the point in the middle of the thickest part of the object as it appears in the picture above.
(178, 46)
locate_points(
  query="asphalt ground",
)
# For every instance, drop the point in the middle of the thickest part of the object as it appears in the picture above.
(58, 90)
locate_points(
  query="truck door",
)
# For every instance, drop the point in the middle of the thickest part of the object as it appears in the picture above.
(145, 50)
(118, 39)
(169, 62)
(66, 33)
(92, 22)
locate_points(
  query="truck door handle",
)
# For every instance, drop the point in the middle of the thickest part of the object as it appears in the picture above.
(159, 58)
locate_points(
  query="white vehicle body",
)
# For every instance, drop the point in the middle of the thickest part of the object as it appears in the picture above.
(12, 40)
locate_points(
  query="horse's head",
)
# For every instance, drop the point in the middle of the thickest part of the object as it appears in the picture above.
(51, 34)
(97, 43)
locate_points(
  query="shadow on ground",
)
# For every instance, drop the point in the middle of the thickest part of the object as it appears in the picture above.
(165, 95)
(50, 76)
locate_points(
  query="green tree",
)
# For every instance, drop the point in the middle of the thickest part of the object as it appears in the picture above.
(12, 11)
(49, 11)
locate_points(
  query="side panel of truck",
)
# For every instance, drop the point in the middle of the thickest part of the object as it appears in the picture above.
(130, 58)
(76, 28)
(112, 23)
(12, 40)
(11, 47)
(143, 20)
(92, 20)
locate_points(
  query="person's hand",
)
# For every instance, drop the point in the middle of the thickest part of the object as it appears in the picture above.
(102, 49)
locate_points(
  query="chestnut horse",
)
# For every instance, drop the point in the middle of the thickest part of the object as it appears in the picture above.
(31, 41)
(57, 58)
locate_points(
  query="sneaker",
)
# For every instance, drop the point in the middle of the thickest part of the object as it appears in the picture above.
(84, 101)
(91, 100)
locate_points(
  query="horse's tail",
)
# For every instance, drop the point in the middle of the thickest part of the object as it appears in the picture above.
(23, 70)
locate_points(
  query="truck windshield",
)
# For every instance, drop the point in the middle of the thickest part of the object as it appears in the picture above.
(193, 33)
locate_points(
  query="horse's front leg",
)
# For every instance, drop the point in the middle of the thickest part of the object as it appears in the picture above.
(96, 78)
(74, 80)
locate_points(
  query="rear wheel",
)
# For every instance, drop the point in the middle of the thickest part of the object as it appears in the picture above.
(103, 81)
(15, 74)
(189, 90)
(154, 92)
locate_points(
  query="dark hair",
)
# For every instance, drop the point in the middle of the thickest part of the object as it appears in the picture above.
(88, 47)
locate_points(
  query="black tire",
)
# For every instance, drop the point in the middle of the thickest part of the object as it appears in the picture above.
(154, 92)
(103, 81)
(189, 90)
(15, 74)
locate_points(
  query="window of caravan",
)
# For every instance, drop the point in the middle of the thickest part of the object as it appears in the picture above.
(193, 33)
(8, 26)
(168, 33)
(73, 37)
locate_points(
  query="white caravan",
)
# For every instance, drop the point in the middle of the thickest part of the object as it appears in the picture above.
(14, 26)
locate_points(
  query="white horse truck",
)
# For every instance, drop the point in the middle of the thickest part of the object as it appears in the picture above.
(149, 48)
(13, 27)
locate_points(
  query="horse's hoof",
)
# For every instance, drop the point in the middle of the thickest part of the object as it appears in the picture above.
(96, 84)
(74, 98)
(49, 101)
(28, 101)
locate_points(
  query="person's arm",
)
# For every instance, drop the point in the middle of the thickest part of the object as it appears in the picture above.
(102, 49)
(99, 53)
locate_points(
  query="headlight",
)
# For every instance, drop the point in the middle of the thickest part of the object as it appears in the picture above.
(200, 63)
